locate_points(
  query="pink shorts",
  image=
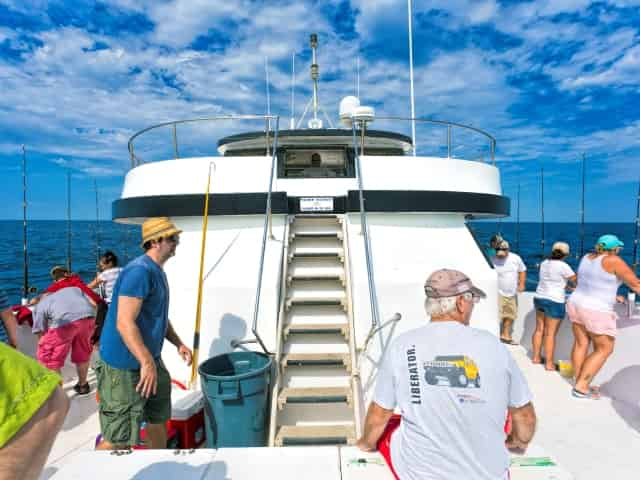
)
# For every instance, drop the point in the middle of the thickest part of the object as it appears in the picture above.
(55, 344)
(598, 323)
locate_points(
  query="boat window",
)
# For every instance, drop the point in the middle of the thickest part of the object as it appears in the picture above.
(307, 163)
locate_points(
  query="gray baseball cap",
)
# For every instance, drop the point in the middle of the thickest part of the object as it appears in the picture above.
(449, 283)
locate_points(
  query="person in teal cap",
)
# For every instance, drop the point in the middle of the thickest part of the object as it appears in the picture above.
(591, 311)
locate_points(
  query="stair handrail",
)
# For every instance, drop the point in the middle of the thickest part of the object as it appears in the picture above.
(373, 298)
(394, 318)
(282, 298)
(267, 228)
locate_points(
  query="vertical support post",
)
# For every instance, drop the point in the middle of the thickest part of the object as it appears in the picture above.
(413, 103)
(175, 142)
(448, 141)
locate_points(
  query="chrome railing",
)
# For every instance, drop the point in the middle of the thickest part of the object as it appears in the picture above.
(450, 126)
(266, 229)
(136, 160)
(373, 298)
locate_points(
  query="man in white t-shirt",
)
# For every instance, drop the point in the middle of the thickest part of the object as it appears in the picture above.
(512, 275)
(453, 385)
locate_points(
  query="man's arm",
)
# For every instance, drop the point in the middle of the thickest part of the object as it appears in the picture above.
(128, 311)
(183, 350)
(522, 279)
(10, 325)
(374, 425)
(523, 427)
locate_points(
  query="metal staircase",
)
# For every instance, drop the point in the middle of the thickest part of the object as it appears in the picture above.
(315, 399)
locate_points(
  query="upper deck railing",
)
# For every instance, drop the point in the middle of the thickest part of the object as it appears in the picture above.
(136, 160)
(450, 128)
(450, 139)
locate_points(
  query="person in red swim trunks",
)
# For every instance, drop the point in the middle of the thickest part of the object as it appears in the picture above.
(453, 385)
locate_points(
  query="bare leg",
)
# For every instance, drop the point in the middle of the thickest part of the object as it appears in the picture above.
(580, 348)
(602, 348)
(536, 340)
(550, 331)
(105, 445)
(83, 371)
(25, 454)
(157, 434)
(506, 328)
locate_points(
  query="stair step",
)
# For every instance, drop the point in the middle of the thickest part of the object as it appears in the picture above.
(314, 395)
(316, 216)
(316, 268)
(316, 247)
(316, 314)
(316, 292)
(316, 229)
(315, 328)
(315, 435)
(316, 359)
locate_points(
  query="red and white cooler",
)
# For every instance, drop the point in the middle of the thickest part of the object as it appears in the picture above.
(187, 417)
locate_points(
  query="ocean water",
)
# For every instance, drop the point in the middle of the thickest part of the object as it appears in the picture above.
(48, 244)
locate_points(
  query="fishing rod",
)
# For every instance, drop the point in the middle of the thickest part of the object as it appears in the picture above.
(582, 207)
(542, 249)
(95, 187)
(196, 331)
(25, 262)
(518, 220)
(69, 221)
(636, 239)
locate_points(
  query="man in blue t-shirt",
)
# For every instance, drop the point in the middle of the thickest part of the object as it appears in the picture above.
(133, 383)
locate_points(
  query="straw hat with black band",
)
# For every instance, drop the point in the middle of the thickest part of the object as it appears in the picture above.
(158, 227)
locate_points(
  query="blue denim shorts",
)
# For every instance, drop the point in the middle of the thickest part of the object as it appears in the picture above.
(550, 308)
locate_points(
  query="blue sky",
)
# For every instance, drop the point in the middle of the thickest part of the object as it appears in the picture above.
(549, 79)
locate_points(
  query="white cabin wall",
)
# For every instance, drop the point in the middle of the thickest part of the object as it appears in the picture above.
(429, 173)
(251, 174)
(231, 270)
(406, 248)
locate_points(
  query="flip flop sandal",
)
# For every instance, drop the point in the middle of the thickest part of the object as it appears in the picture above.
(508, 341)
(590, 395)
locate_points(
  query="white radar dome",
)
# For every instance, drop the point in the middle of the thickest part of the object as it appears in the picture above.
(347, 106)
(363, 114)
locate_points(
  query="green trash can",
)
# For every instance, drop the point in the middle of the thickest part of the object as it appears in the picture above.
(236, 387)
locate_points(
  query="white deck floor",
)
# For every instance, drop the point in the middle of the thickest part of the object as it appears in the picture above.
(590, 439)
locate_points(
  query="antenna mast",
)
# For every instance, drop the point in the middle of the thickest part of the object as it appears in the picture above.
(292, 123)
(358, 76)
(266, 74)
(315, 74)
(314, 103)
(25, 263)
(413, 106)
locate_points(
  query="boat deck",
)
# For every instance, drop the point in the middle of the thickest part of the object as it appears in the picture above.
(588, 439)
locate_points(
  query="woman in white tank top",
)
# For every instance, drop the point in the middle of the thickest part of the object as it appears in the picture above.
(591, 310)
(549, 303)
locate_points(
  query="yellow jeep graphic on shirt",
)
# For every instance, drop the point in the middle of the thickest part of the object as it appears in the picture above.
(460, 371)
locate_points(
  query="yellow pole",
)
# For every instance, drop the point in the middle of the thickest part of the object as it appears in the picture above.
(196, 333)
